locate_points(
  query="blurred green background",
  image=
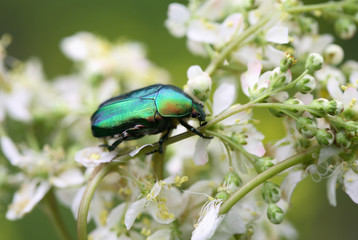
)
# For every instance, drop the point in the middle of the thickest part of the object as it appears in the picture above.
(37, 27)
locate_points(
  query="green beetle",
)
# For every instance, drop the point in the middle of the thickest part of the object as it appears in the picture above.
(150, 110)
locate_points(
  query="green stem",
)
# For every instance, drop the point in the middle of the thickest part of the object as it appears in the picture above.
(319, 6)
(266, 175)
(91, 186)
(51, 209)
(269, 91)
(250, 32)
(233, 144)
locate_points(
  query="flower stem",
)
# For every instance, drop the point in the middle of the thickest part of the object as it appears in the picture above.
(319, 6)
(52, 211)
(266, 175)
(91, 186)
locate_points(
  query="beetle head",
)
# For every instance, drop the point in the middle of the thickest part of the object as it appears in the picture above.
(198, 112)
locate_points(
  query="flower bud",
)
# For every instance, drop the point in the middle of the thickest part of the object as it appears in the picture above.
(304, 143)
(263, 164)
(295, 101)
(307, 127)
(314, 62)
(345, 28)
(271, 192)
(199, 83)
(222, 195)
(325, 137)
(275, 214)
(306, 84)
(307, 24)
(333, 54)
(351, 126)
(232, 178)
(287, 62)
(342, 140)
(239, 138)
(318, 105)
(334, 107)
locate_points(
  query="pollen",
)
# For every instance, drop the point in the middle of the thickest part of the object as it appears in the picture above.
(95, 156)
(230, 24)
(103, 217)
(344, 87)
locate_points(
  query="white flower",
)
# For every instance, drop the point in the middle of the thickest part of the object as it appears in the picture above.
(351, 184)
(178, 16)
(288, 185)
(348, 97)
(81, 46)
(201, 155)
(251, 80)
(199, 83)
(108, 231)
(209, 220)
(30, 193)
(204, 31)
(327, 73)
(94, 156)
(224, 96)
(163, 203)
(161, 234)
(308, 44)
(277, 34)
(68, 178)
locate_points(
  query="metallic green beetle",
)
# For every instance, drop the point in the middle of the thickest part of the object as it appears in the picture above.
(150, 110)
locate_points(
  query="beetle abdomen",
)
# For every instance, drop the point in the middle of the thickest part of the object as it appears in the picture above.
(118, 116)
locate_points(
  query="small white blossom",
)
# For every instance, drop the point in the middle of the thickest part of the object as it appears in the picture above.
(209, 220)
(25, 199)
(178, 17)
(94, 156)
(351, 184)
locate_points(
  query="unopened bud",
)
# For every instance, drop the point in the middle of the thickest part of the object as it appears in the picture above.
(306, 84)
(232, 178)
(223, 195)
(295, 101)
(345, 28)
(307, 127)
(307, 24)
(334, 107)
(263, 164)
(333, 54)
(275, 214)
(199, 83)
(314, 62)
(342, 140)
(325, 137)
(271, 192)
(287, 62)
(318, 106)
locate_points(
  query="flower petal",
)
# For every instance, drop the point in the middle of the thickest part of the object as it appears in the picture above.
(224, 96)
(133, 211)
(277, 34)
(351, 185)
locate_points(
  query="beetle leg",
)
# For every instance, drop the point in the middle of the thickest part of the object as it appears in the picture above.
(162, 139)
(193, 129)
(114, 145)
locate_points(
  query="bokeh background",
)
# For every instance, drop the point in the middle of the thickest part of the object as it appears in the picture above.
(37, 28)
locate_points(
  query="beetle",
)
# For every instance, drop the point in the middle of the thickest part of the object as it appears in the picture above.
(149, 110)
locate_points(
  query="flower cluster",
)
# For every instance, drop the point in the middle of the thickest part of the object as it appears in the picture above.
(263, 54)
